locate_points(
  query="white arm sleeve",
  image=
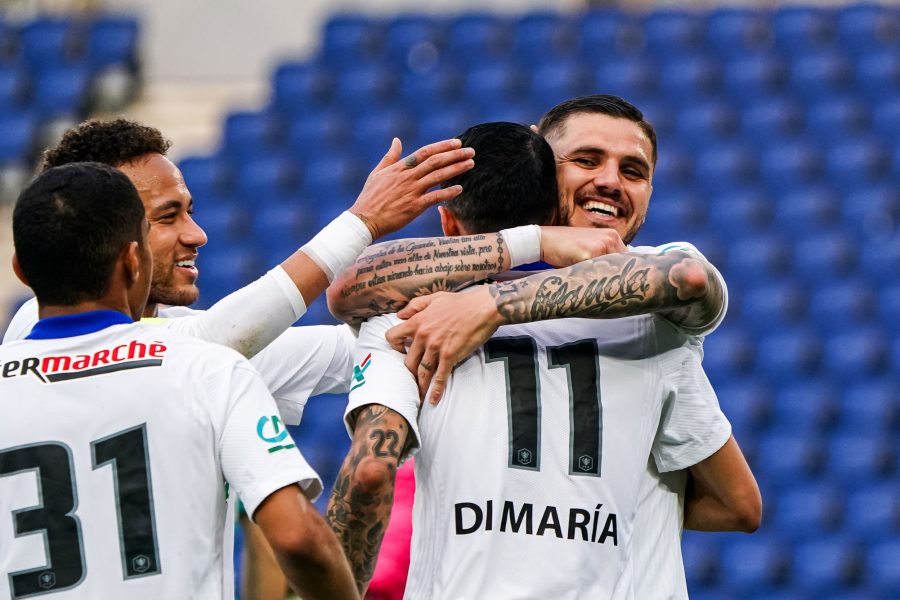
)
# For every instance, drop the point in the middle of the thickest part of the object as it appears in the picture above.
(688, 247)
(257, 454)
(249, 319)
(304, 362)
(22, 322)
(692, 426)
(381, 377)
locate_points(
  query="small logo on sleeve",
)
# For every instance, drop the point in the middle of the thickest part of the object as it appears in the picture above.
(359, 372)
(272, 431)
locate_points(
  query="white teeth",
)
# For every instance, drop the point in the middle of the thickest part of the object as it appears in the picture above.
(184, 263)
(603, 207)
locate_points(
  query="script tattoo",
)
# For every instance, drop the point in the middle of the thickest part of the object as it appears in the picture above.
(358, 510)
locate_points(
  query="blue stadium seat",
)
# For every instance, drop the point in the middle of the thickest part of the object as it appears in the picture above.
(727, 354)
(881, 572)
(853, 161)
(61, 91)
(316, 133)
(668, 32)
(498, 81)
(746, 402)
(477, 38)
(421, 90)
(857, 353)
(752, 78)
(753, 563)
(17, 136)
(608, 34)
(758, 258)
(787, 456)
(705, 120)
(689, 76)
(861, 26)
(225, 268)
(284, 227)
(873, 510)
(878, 259)
(878, 74)
(47, 43)
(298, 87)
(683, 213)
(628, 77)
(359, 87)
(551, 83)
(264, 176)
(872, 211)
(820, 74)
(772, 117)
(722, 167)
(823, 256)
(735, 31)
(223, 220)
(539, 36)
(789, 354)
(886, 117)
(350, 39)
(112, 41)
(870, 406)
(772, 304)
(842, 305)
(838, 118)
(807, 510)
(741, 212)
(889, 307)
(807, 209)
(803, 28)
(329, 176)
(407, 34)
(248, 133)
(807, 406)
(859, 458)
(525, 113)
(825, 565)
(701, 557)
(206, 176)
(791, 162)
(443, 122)
(372, 133)
(13, 88)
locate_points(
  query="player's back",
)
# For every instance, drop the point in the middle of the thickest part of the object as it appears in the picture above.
(110, 465)
(530, 468)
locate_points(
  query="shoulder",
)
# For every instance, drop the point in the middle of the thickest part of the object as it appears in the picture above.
(22, 322)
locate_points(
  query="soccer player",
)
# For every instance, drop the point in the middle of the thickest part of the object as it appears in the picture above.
(121, 441)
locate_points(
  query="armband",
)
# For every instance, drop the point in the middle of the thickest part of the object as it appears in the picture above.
(523, 244)
(339, 244)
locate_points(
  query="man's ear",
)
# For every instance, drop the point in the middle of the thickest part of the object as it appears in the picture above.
(449, 223)
(131, 262)
(17, 269)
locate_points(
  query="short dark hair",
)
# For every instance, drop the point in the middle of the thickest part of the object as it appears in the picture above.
(112, 143)
(513, 182)
(69, 227)
(554, 121)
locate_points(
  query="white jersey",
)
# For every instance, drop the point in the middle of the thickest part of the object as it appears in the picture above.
(299, 363)
(533, 469)
(118, 449)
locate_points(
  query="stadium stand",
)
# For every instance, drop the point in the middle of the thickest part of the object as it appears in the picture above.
(778, 159)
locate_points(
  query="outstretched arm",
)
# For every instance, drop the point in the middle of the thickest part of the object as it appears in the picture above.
(360, 505)
(387, 276)
(444, 329)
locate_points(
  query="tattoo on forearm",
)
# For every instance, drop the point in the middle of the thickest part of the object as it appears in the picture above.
(388, 275)
(617, 285)
(358, 510)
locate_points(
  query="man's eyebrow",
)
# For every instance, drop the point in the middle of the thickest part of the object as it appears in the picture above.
(168, 205)
(597, 150)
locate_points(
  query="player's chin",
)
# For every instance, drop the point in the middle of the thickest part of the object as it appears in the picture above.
(181, 295)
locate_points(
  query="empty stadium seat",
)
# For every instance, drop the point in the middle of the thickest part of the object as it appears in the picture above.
(13, 88)
(819, 74)
(758, 257)
(720, 167)
(838, 117)
(877, 74)
(813, 208)
(751, 564)
(881, 571)
(689, 77)
(539, 36)
(857, 353)
(740, 213)
(789, 354)
(703, 121)
(772, 118)
(61, 91)
(673, 31)
(822, 256)
(349, 39)
(842, 305)
(880, 257)
(248, 133)
(787, 456)
(316, 133)
(870, 406)
(735, 31)
(604, 34)
(47, 43)
(493, 81)
(476, 38)
(803, 28)
(112, 41)
(809, 406)
(873, 510)
(791, 163)
(852, 161)
(728, 353)
(265, 175)
(206, 176)
(826, 564)
(700, 553)
(746, 402)
(362, 87)
(17, 136)
(772, 304)
(752, 78)
(861, 26)
(859, 458)
(627, 77)
(407, 34)
(807, 511)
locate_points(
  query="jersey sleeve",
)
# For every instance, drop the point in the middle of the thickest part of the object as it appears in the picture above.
(304, 362)
(256, 452)
(381, 377)
(690, 248)
(249, 319)
(22, 322)
(692, 426)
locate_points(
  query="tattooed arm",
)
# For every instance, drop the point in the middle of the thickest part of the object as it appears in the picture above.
(388, 275)
(679, 285)
(360, 504)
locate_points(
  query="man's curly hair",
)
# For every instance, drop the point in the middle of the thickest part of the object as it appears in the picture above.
(109, 142)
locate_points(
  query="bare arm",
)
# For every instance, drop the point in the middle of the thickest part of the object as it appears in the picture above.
(387, 276)
(722, 494)
(444, 329)
(306, 549)
(360, 505)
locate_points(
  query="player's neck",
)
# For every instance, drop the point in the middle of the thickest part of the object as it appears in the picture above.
(151, 310)
(53, 310)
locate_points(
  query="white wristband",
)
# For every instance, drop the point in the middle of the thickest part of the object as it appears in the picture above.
(339, 244)
(523, 243)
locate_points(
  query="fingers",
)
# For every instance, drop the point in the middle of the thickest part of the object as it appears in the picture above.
(425, 371)
(416, 305)
(433, 178)
(441, 195)
(425, 152)
(397, 335)
(439, 382)
(392, 156)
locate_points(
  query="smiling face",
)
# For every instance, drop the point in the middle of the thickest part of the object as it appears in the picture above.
(174, 237)
(604, 168)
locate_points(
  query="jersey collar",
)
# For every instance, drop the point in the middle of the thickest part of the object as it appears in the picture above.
(535, 266)
(71, 325)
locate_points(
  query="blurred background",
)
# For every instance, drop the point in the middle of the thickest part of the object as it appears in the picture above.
(779, 158)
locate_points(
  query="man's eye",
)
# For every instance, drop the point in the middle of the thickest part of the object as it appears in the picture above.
(587, 162)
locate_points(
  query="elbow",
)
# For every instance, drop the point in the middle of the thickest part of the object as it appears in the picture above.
(691, 278)
(748, 513)
(375, 476)
(337, 303)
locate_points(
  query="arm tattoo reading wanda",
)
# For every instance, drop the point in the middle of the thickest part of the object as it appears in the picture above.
(388, 275)
(616, 285)
(359, 514)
